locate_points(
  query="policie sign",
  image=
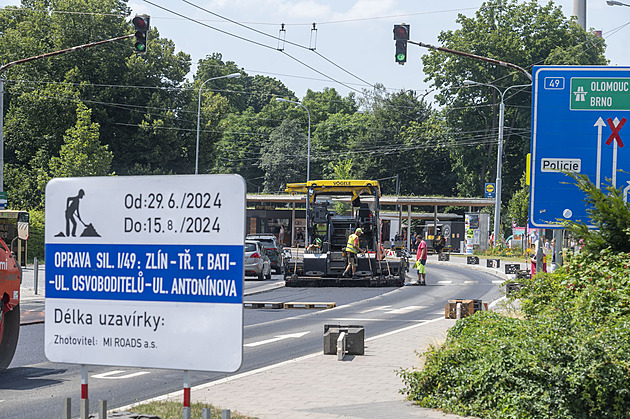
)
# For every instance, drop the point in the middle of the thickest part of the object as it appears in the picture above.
(146, 271)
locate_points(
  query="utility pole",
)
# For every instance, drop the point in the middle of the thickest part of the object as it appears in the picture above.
(28, 60)
(579, 10)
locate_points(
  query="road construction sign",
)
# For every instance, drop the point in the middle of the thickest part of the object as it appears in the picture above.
(146, 271)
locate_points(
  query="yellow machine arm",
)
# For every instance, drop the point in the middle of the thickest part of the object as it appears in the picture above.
(336, 187)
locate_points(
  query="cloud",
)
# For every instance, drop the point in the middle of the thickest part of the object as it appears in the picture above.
(368, 8)
(303, 11)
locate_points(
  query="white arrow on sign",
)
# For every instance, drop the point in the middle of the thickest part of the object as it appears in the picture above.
(599, 124)
(625, 192)
(614, 168)
(276, 339)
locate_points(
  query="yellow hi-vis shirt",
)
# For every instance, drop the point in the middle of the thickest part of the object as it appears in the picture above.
(351, 247)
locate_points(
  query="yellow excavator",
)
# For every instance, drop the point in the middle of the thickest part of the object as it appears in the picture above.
(334, 210)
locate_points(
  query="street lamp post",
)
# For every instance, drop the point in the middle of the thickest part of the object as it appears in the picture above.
(229, 76)
(308, 159)
(616, 3)
(497, 201)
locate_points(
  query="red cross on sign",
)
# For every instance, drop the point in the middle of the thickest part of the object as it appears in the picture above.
(615, 131)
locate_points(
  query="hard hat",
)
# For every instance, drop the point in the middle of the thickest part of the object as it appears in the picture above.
(318, 240)
(358, 230)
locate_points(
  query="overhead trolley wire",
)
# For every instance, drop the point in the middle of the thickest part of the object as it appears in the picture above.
(253, 42)
(278, 39)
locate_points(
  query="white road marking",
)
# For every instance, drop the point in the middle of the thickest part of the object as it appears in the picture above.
(471, 282)
(355, 320)
(445, 282)
(390, 310)
(276, 339)
(376, 309)
(403, 310)
(497, 282)
(108, 375)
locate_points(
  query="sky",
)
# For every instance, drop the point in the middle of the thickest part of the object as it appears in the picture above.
(354, 47)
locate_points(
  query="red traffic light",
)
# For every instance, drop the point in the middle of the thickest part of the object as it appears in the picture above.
(401, 32)
(140, 23)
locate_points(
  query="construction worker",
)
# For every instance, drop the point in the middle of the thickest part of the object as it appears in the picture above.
(352, 249)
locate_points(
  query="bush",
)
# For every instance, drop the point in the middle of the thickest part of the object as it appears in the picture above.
(502, 250)
(569, 357)
(36, 240)
(494, 366)
(593, 288)
(608, 212)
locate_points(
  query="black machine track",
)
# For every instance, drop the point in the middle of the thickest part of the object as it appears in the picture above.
(385, 281)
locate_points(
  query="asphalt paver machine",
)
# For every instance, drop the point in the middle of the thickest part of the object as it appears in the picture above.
(334, 210)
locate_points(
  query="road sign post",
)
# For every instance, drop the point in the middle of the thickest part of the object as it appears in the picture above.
(146, 271)
(578, 119)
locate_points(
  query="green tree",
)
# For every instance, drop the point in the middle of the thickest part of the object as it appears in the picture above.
(428, 156)
(82, 153)
(384, 151)
(243, 92)
(609, 214)
(341, 169)
(152, 113)
(260, 90)
(34, 133)
(328, 102)
(334, 139)
(522, 33)
(125, 92)
(239, 149)
(518, 206)
(37, 120)
(278, 157)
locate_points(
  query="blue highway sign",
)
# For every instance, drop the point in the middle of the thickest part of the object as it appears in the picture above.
(579, 124)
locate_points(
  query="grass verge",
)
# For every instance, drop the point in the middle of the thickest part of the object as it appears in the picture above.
(174, 410)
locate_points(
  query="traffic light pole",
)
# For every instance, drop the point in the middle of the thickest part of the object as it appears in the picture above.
(63, 51)
(476, 57)
(28, 60)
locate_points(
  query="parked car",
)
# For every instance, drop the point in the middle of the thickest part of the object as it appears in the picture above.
(273, 249)
(256, 262)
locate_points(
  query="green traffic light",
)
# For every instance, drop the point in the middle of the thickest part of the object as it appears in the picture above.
(140, 47)
(400, 57)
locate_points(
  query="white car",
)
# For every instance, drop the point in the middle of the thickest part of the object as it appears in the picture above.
(256, 262)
